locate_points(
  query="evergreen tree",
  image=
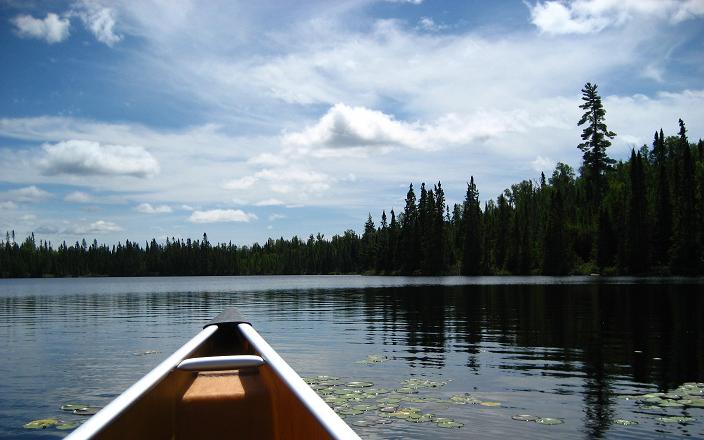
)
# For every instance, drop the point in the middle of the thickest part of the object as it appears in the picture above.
(684, 248)
(555, 261)
(637, 246)
(595, 137)
(471, 222)
(409, 234)
(662, 228)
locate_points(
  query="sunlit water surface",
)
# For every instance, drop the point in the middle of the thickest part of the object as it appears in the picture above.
(566, 348)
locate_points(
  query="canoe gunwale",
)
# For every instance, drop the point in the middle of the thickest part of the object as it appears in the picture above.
(114, 409)
(329, 420)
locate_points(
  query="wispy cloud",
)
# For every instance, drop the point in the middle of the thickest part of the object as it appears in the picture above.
(221, 216)
(26, 194)
(78, 197)
(147, 208)
(52, 28)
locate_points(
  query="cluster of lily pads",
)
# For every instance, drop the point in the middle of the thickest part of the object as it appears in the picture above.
(688, 395)
(64, 425)
(384, 405)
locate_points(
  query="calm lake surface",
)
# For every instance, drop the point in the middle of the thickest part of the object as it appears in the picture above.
(566, 348)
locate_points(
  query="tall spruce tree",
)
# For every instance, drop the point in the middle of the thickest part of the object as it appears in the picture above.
(662, 228)
(637, 233)
(596, 139)
(471, 222)
(409, 234)
(685, 254)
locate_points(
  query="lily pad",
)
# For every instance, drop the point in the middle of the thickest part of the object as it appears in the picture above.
(670, 404)
(146, 352)
(407, 390)
(65, 426)
(358, 384)
(373, 359)
(625, 422)
(450, 424)
(490, 404)
(73, 406)
(676, 419)
(87, 411)
(525, 418)
(549, 421)
(364, 423)
(41, 423)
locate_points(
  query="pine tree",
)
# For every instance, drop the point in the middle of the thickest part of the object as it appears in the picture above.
(471, 222)
(685, 254)
(662, 228)
(637, 238)
(409, 234)
(595, 137)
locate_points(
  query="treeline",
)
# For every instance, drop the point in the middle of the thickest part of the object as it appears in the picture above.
(640, 216)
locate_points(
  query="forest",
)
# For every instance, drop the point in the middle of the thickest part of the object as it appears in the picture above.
(643, 216)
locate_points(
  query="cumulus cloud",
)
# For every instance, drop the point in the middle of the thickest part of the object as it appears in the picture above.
(78, 197)
(221, 216)
(52, 28)
(589, 16)
(147, 208)
(99, 20)
(345, 127)
(27, 194)
(79, 157)
(274, 217)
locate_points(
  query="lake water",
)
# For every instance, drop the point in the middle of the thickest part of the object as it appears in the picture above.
(563, 348)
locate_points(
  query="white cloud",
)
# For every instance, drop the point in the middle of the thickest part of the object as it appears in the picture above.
(78, 197)
(428, 24)
(269, 202)
(98, 227)
(543, 164)
(99, 20)
(295, 179)
(52, 28)
(221, 215)
(413, 2)
(8, 205)
(345, 127)
(589, 16)
(241, 183)
(27, 194)
(274, 217)
(187, 208)
(147, 208)
(79, 157)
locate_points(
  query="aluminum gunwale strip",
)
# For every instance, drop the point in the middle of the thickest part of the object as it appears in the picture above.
(100, 420)
(332, 423)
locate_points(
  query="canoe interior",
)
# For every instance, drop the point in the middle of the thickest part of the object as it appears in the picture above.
(225, 404)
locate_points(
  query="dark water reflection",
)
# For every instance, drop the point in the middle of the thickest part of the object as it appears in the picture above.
(566, 349)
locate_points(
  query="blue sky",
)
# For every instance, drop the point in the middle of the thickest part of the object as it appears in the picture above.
(247, 120)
